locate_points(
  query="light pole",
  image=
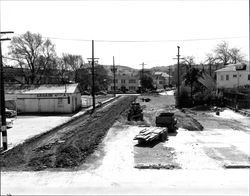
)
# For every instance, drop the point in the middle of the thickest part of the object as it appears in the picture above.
(114, 69)
(3, 115)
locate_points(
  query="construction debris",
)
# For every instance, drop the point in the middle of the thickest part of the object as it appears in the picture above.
(150, 134)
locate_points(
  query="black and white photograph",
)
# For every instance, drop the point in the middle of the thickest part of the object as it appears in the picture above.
(124, 97)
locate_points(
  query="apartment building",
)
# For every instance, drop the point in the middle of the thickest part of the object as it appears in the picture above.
(125, 82)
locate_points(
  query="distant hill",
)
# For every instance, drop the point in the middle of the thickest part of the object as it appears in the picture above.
(128, 70)
(160, 69)
(121, 70)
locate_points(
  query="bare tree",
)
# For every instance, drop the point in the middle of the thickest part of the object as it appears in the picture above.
(226, 55)
(47, 61)
(188, 61)
(222, 53)
(73, 62)
(235, 55)
(62, 69)
(211, 61)
(33, 54)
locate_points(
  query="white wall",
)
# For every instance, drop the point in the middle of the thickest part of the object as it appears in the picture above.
(241, 79)
(32, 103)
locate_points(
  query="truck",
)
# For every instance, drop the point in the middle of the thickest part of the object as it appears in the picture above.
(168, 120)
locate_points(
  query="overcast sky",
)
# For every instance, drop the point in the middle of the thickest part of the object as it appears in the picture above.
(196, 26)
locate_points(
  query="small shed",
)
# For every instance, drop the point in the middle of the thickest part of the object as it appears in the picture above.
(50, 99)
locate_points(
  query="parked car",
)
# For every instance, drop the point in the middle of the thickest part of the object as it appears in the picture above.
(9, 122)
(10, 113)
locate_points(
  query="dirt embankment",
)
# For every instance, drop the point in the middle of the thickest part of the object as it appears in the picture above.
(159, 104)
(187, 121)
(68, 146)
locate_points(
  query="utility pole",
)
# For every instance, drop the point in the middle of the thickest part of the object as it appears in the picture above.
(178, 71)
(93, 75)
(2, 97)
(178, 74)
(142, 73)
(142, 70)
(92, 60)
(114, 69)
(168, 76)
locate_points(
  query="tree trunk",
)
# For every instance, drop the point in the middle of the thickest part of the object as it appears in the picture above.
(210, 71)
(191, 86)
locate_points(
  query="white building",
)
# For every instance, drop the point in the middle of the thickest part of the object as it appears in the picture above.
(233, 76)
(49, 99)
(127, 81)
(161, 79)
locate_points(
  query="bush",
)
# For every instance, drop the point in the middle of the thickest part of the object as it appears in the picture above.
(184, 100)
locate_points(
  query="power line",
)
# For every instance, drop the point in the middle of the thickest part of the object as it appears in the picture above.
(147, 41)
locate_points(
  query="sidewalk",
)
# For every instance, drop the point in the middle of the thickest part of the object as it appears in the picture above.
(25, 127)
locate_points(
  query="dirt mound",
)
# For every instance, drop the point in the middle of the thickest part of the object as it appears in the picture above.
(68, 146)
(201, 108)
(186, 121)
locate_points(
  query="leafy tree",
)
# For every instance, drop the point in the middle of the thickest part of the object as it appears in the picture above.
(84, 77)
(147, 82)
(101, 78)
(191, 77)
(34, 55)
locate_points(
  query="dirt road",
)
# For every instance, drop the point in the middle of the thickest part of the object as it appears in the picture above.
(200, 155)
(68, 145)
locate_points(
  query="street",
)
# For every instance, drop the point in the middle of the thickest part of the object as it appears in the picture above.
(200, 155)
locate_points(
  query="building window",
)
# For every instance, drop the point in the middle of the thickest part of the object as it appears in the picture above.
(131, 87)
(248, 76)
(68, 100)
(227, 77)
(132, 81)
(221, 77)
(116, 81)
(160, 82)
(234, 76)
(123, 81)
